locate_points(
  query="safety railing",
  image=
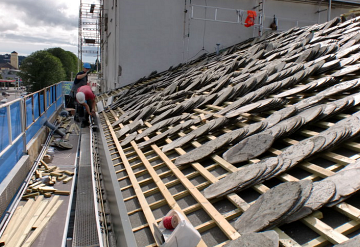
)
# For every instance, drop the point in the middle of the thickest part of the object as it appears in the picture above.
(217, 14)
(21, 119)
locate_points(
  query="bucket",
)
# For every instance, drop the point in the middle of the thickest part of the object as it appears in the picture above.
(175, 231)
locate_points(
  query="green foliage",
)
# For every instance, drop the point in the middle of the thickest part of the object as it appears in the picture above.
(68, 60)
(41, 69)
(75, 62)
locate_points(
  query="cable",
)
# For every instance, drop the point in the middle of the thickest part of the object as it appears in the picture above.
(184, 31)
(198, 53)
(204, 26)
(188, 34)
(203, 45)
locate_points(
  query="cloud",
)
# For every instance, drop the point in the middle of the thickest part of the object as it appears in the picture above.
(36, 40)
(29, 26)
(43, 13)
(7, 25)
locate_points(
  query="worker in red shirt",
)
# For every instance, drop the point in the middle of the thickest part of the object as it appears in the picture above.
(86, 98)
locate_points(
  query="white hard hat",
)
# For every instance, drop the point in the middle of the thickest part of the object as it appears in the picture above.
(80, 97)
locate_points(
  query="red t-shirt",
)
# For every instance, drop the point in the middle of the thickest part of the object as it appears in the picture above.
(89, 95)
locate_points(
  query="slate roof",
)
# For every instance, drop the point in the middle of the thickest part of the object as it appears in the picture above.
(187, 138)
(6, 66)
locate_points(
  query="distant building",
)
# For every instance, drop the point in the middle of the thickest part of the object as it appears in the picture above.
(6, 58)
(14, 60)
(9, 66)
(9, 71)
(6, 66)
(9, 76)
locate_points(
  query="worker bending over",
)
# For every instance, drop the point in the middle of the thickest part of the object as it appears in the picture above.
(86, 98)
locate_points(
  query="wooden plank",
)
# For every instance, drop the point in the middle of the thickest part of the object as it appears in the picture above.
(348, 210)
(32, 195)
(70, 173)
(62, 192)
(156, 178)
(160, 184)
(338, 158)
(320, 171)
(11, 225)
(226, 165)
(66, 180)
(215, 107)
(172, 183)
(19, 220)
(285, 240)
(207, 206)
(44, 164)
(352, 146)
(13, 240)
(69, 131)
(211, 223)
(27, 229)
(49, 206)
(141, 198)
(346, 228)
(38, 230)
(325, 230)
(206, 112)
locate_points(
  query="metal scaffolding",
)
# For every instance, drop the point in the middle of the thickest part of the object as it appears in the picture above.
(89, 28)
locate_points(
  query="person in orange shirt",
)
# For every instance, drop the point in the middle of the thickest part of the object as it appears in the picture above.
(85, 99)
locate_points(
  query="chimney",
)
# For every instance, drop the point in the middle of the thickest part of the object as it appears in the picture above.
(14, 60)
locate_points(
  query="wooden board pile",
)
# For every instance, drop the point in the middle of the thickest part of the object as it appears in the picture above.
(43, 180)
(31, 217)
(29, 220)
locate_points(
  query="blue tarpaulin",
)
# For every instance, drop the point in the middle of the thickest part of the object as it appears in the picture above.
(15, 119)
(4, 128)
(34, 107)
(29, 109)
(10, 158)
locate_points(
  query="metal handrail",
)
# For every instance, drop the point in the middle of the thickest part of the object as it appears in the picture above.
(24, 114)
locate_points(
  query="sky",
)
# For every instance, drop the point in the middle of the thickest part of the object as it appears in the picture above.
(28, 26)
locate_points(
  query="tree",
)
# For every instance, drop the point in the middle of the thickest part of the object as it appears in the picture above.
(68, 61)
(41, 69)
(75, 63)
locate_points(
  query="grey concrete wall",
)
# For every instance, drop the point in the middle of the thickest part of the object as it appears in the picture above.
(144, 36)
